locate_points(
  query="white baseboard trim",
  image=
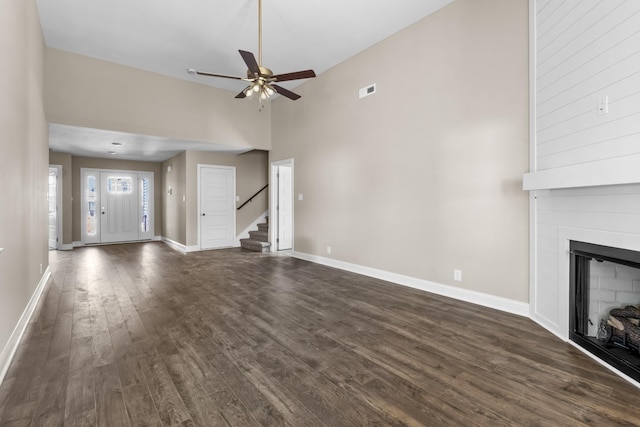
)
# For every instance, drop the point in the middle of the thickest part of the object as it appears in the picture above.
(11, 347)
(77, 244)
(485, 300)
(66, 247)
(548, 325)
(157, 238)
(175, 245)
(252, 227)
(183, 248)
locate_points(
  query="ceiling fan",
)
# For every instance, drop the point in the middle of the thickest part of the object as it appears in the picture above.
(262, 81)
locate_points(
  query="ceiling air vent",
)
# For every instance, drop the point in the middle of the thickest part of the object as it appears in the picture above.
(368, 90)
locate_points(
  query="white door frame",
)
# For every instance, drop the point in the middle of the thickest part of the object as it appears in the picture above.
(199, 169)
(273, 204)
(59, 222)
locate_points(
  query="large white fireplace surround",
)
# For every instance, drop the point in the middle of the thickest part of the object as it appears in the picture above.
(584, 180)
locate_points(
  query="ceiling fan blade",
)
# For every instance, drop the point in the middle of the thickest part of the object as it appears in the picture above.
(224, 76)
(251, 62)
(307, 74)
(286, 92)
(242, 94)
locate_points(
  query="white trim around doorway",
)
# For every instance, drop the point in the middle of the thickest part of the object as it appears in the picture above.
(273, 202)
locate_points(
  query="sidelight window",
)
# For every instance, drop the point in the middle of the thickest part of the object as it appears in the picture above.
(145, 185)
(90, 200)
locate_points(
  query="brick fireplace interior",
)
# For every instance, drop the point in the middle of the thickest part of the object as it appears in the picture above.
(605, 304)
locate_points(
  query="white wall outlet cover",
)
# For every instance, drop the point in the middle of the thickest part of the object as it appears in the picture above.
(237, 198)
(329, 250)
(300, 197)
(168, 168)
(170, 191)
(184, 198)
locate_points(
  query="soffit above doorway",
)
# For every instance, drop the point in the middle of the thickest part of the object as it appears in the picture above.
(88, 142)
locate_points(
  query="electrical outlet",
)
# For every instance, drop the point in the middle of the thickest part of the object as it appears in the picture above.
(457, 275)
(329, 250)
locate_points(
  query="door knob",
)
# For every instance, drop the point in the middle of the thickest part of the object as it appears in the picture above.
(203, 214)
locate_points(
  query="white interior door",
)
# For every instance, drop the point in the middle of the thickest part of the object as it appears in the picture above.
(285, 207)
(118, 207)
(217, 206)
(52, 196)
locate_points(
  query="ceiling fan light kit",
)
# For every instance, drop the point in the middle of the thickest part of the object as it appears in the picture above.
(261, 79)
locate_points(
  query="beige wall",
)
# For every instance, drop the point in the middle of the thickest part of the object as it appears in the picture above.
(423, 177)
(251, 175)
(174, 226)
(128, 165)
(64, 160)
(87, 92)
(23, 163)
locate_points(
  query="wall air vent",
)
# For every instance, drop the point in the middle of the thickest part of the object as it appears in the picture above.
(367, 90)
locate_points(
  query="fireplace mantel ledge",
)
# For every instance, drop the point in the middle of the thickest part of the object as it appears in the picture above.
(616, 171)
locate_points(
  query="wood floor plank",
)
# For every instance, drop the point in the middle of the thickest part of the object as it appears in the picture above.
(110, 408)
(80, 406)
(171, 409)
(193, 394)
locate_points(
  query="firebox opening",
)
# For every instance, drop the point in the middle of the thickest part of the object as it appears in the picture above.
(605, 304)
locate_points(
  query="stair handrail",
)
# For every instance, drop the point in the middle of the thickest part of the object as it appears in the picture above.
(252, 197)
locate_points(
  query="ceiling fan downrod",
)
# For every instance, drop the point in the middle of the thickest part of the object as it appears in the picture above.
(260, 33)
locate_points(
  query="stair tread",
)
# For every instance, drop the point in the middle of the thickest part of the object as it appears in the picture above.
(256, 242)
(255, 245)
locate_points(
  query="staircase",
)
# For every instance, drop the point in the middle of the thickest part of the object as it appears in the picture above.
(258, 241)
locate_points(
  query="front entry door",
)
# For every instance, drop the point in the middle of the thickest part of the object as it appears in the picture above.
(217, 206)
(118, 207)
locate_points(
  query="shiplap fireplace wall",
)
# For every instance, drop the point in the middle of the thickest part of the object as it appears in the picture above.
(585, 140)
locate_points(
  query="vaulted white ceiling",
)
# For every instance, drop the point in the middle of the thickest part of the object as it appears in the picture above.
(169, 36)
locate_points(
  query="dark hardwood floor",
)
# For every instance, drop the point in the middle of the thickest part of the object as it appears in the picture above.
(142, 335)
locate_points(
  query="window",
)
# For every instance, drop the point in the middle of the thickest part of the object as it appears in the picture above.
(119, 184)
(145, 203)
(92, 225)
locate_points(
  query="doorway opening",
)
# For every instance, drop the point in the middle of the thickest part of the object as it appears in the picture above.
(282, 204)
(54, 203)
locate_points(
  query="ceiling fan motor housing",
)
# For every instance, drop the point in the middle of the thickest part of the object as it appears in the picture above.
(264, 72)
